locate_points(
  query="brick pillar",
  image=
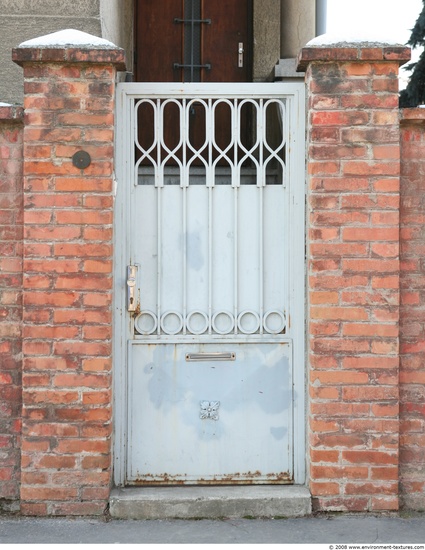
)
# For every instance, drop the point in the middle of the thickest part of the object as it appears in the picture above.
(11, 129)
(353, 252)
(67, 287)
(412, 311)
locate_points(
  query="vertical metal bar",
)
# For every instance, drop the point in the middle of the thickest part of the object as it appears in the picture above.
(210, 182)
(288, 141)
(261, 127)
(159, 266)
(184, 238)
(235, 254)
(261, 133)
(234, 138)
(184, 183)
(261, 252)
(133, 133)
(210, 258)
(236, 183)
(184, 128)
(158, 136)
(209, 126)
(159, 183)
(192, 41)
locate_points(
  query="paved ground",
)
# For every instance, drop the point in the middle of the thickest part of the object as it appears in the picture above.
(330, 529)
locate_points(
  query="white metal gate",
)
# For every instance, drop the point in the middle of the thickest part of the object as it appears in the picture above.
(210, 224)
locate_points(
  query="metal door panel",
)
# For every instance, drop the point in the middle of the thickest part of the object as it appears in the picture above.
(216, 245)
(197, 248)
(246, 438)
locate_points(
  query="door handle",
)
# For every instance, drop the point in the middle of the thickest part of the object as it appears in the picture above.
(240, 55)
(131, 287)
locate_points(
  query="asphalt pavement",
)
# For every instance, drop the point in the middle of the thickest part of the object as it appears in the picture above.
(324, 529)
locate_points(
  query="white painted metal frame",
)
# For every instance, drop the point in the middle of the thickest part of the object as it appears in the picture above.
(170, 305)
(293, 93)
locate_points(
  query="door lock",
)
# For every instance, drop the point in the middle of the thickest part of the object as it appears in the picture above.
(240, 55)
(131, 288)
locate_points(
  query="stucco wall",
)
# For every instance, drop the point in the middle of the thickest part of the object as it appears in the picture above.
(25, 19)
(117, 25)
(298, 25)
(266, 39)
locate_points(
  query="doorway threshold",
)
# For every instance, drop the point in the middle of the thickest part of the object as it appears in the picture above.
(202, 502)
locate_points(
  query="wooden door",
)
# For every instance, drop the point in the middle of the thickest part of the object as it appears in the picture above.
(193, 41)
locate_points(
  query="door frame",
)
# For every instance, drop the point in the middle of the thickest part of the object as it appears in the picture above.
(295, 92)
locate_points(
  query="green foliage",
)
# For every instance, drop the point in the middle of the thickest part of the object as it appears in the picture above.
(414, 94)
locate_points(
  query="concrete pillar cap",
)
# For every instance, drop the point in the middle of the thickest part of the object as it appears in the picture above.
(362, 47)
(69, 46)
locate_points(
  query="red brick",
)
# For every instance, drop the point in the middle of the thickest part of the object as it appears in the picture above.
(82, 380)
(57, 462)
(363, 329)
(371, 488)
(339, 118)
(48, 493)
(357, 394)
(97, 333)
(50, 396)
(78, 184)
(338, 313)
(97, 398)
(370, 234)
(370, 362)
(327, 488)
(339, 472)
(359, 168)
(369, 457)
(83, 282)
(340, 377)
(324, 393)
(385, 503)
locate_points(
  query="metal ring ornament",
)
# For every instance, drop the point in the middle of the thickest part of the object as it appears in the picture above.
(138, 323)
(246, 313)
(190, 317)
(215, 321)
(267, 317)
(164, 321)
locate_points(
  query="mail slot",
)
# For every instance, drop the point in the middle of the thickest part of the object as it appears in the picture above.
(211, 356)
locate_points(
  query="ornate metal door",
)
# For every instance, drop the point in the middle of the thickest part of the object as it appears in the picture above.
(211, 285)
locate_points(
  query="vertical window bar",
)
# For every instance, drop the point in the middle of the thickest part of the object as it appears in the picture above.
(192, 41)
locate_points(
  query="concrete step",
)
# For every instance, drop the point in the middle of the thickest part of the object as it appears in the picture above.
(188, 502)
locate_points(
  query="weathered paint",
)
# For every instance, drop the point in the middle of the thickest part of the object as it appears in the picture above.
(249, 442)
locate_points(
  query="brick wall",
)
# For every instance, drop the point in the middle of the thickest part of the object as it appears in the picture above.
(353, 275)
(412, 311)
(67, 285)
(358, 449)
(11, 129)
